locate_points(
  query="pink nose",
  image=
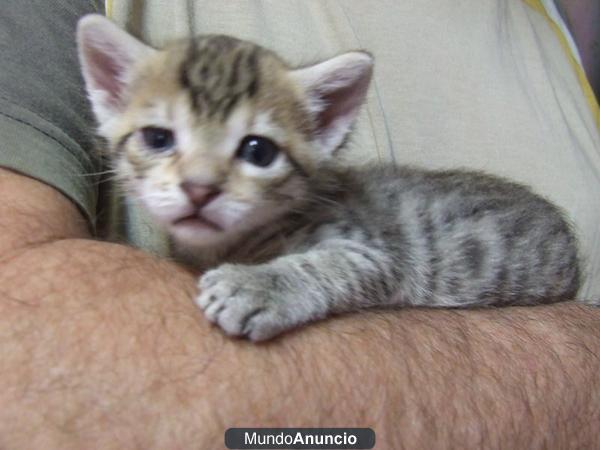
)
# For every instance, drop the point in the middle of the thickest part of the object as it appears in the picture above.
(199, 194)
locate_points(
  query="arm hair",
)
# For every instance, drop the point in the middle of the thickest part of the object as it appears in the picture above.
(102, 347)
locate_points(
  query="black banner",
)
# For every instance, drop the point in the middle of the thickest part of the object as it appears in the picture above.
(299, 438)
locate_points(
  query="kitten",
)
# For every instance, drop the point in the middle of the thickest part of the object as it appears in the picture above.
(233, 152)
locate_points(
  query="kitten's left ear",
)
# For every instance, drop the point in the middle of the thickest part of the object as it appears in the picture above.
(107, 55)
(336, 89)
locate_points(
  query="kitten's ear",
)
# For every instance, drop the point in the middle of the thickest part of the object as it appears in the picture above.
(107, 55)
(336, 89)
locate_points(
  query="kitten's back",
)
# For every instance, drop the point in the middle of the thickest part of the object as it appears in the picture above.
(462, 237)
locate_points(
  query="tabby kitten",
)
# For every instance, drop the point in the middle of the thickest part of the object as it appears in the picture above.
(233, 152)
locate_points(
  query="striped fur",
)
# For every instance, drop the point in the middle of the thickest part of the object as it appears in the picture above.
(304, 238)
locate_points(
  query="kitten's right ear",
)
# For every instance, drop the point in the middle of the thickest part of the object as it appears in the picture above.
(107, 55)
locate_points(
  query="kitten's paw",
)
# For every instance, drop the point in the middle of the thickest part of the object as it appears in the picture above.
(245, 301)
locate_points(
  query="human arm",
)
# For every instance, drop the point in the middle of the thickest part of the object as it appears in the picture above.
(102, 347)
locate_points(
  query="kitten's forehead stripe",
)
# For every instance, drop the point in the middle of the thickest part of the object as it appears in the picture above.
(218, 71)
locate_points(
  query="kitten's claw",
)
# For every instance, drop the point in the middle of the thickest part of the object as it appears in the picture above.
(244, 302)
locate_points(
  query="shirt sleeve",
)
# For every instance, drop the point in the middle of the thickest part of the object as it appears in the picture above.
(46, 125)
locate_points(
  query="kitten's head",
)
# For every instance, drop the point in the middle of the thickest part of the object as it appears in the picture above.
(216, 136)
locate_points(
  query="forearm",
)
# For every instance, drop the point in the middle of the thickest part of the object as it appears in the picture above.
(103, 348)
(94, 336)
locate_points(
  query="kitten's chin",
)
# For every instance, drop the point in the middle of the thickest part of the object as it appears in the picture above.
(196, 232)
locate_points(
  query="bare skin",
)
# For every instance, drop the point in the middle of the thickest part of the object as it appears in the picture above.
(103, 348)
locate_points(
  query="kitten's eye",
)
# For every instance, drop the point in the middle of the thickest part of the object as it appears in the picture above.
(257, 150)
(158, 139)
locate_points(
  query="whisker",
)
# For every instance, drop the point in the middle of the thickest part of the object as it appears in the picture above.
(94, 174)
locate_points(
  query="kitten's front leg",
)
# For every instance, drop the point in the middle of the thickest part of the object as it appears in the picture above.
(261, 301)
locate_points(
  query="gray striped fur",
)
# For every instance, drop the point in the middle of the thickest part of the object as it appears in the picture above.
(398, 236)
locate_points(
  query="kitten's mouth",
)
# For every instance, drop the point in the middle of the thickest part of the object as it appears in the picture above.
(196, 221)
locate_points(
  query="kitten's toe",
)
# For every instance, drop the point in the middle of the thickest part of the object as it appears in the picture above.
(214, 308)
(209, 297)
(214, 289)
(237, 315)
(255, 318)
(262, 326)
(209, 279)
(245, 315)
(205, 299)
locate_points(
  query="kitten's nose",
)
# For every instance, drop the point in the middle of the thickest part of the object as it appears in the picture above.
(199, 194)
